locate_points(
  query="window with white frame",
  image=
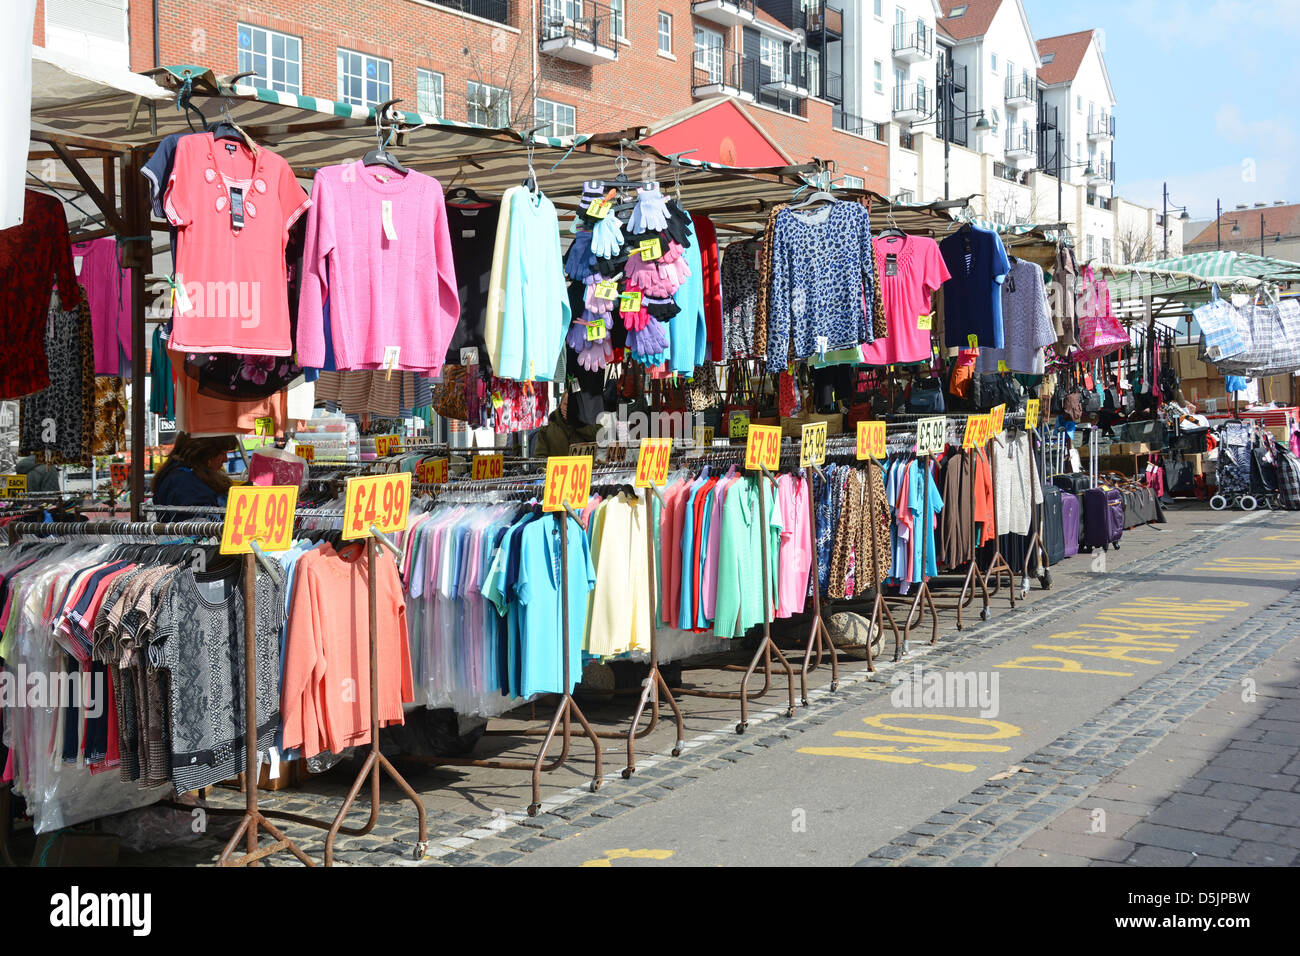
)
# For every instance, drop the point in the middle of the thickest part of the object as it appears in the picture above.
(1088, 247)
(853, 182)
(275, 57)
(880, 76)
(879, 9)
(618, 22)
(557, 119)
(428, 92)
(814, 60)
(364, 80)
(708, 53)
(1105, 250)
(665, 33)
(770, 52)
(487, 105)
(993, 62)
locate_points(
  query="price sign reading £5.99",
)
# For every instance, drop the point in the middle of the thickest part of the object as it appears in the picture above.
(652, 462)
(763, 447)
(380, 500)
(261, 513)
(930, 433)
(812, 444)
(568, 482)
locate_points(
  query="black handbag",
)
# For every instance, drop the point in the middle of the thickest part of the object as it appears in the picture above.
(926, 397)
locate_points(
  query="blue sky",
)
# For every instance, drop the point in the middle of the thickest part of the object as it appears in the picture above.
(1208, 92)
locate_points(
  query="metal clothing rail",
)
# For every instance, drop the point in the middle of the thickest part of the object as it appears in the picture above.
(252, 817)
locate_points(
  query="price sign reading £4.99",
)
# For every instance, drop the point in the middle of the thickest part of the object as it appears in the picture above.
(763, 447)
(380, 500)
(652, 462)
(568, 482)
(871, 440)
(261, 513)
(930, 435)
(812, 444)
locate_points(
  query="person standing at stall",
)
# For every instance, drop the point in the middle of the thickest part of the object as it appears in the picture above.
(194, 474)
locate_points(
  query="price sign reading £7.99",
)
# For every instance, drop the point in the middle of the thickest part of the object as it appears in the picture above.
(380, 500)
(261, 513)
(763, 447)
(487, 466)
(812, 444)
(568, 482)
(871, 440)
(652, 462)
(995, 419)
(930, 435)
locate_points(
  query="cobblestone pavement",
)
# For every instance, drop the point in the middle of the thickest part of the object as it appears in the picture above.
(1166, 762)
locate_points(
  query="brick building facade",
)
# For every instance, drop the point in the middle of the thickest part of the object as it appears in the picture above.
(467, 53)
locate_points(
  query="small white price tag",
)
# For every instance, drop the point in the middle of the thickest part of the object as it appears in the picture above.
(386, 214)
(183, 304)
(76, 264)
(469, 356)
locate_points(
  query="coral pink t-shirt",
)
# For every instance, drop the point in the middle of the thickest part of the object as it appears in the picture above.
(235, 278)
(919, 270)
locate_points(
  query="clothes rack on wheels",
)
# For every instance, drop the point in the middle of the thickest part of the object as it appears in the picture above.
(567, 708)
(922, 599)
(767, 646)
(252, 818)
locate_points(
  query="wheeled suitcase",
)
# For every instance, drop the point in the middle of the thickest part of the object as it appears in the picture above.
(1103, 517)
(1070, 508)
(1075, 482)
(1053, 531)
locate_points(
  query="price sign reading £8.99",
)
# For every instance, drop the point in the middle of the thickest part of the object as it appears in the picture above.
(652, 462)
(763, 447)
(380, 500)
(930, 435)
(812, 444)
(261, 513)
(568, 482)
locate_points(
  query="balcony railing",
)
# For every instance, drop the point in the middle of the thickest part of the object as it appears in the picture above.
(913, 41)
(587, 38)
(958, 77)
(1103, 172)
(789, 74)
(913, 100)
(814, 19)
(1101, 126)
(831, 88)
(498, 11)
(725, 73)
(1021, 142)
(1021, 90)
(1010, 173)
(858, 125)
(727, 13)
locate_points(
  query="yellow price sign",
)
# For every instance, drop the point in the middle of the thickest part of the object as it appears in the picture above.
(1002, 366)
(650, 249)
(995, 418)
(596, 330)
(568, 482)
(925, 322)
(738, 424)
(15, 485)
(599, 208)
(607, 289)
(487, 466)
(703, 436)
(763, 447)
(385, 445)
(1031, 414)
(812, 444)
(432, 471)
(973, 340)
(629, 302)
(871, 440)
(261, 513)
(380, 500)
(970, 438)
(306, 452)
(652, 462)
(264, 426)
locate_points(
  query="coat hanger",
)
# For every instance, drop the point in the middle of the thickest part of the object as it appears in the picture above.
(225, 127)
(464, 195)
(380, 156)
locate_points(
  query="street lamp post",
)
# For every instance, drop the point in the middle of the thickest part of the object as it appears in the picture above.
(1061, 166)
(1164, 219)
(1218, 228)
(945, 106)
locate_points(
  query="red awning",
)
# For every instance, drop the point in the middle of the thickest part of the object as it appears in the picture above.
(720, 134)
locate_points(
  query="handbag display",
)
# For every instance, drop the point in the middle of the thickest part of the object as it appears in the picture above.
(452, 399)
(1100, 333)
(926, 397)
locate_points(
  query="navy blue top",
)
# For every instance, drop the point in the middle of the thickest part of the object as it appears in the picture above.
(972, 298)
(180, 486)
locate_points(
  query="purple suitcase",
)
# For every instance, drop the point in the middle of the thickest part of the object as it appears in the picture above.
(1103, 517)
(1070, 523)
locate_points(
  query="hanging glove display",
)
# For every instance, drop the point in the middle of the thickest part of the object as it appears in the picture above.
(607, 237)
(650, 213)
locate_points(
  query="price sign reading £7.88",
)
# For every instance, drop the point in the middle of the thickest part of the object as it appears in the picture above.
(261, 513)
(380, 500)
(930, 435)
(568, 482)
(652, 462)
(812, 444)
(763, 447)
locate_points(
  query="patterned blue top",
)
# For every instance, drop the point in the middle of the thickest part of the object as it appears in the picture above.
(821, 267)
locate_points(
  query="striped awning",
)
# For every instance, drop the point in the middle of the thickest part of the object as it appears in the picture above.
(1178, 285)
(310, 132)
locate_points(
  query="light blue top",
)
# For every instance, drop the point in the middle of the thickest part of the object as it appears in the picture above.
(540, 607)
(687, 330)
(536, 309)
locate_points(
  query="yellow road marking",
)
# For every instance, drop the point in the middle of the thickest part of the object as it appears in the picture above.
(921, 740)
(626, 854)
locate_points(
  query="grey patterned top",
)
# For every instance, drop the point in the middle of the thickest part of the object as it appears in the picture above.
(199, 640)
(1026, 322)
(739, 298)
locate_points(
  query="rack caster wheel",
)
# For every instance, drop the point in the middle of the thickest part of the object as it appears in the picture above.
(1218, 502)
(1046, 580)
(421, 851)
(835, 685)
(677, 751)
(1248, 503)
(985, 615)
(627, 773)
(740, 728)
(533, 808)
(790, 712)
(595, 785)
(803, 702)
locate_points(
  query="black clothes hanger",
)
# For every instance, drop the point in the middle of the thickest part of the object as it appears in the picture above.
(463, 195)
